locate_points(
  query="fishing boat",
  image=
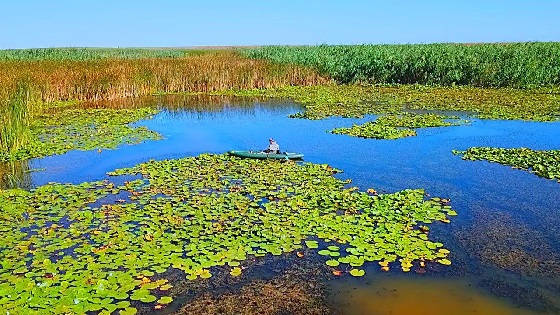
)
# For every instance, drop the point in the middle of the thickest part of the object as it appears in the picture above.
(264, 155)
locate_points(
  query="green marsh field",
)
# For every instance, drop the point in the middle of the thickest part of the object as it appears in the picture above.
(430, 174)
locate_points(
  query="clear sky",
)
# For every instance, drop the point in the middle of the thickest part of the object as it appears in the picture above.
(112, 23)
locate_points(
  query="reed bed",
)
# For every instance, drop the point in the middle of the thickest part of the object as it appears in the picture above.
(27, 85)
(516, 65)
(91, 53)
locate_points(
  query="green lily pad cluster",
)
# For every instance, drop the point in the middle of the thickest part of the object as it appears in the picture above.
(411, 120)
(394, 126)
(543, 163)
(63, 129)
(99, 246)
(375, 131)
(539, 104)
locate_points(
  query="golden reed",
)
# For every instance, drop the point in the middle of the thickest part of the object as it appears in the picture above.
(26, 85)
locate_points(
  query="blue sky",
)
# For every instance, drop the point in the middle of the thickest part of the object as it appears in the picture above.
(112, 23)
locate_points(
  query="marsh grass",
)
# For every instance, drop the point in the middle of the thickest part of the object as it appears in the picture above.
(14, 112)
(92, 53)
(26, 85)
(485, 65)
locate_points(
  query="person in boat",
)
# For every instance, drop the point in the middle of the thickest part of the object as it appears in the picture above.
(273, 147)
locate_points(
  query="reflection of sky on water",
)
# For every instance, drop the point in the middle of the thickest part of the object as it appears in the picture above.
(477, 189)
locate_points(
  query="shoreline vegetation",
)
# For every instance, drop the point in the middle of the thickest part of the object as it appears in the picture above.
(28, 86)
(493, 81)
(518, 65)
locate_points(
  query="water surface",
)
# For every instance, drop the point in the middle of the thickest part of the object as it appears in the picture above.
(505, 242)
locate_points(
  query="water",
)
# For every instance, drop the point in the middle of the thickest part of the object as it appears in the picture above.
(505, 241)
(421, 297)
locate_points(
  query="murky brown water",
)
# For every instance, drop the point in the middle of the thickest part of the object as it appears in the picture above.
(419, 297)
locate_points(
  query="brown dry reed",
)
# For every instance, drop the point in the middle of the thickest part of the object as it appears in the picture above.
(26, 86)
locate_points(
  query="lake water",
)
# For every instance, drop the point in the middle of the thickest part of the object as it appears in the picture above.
(505, 242)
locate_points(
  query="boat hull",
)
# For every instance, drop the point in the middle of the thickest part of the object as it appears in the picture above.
(264, 156)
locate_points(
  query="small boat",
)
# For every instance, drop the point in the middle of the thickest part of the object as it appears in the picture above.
(264, 155)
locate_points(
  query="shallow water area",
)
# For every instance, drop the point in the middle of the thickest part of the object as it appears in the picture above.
(505, 243)
(419, 296)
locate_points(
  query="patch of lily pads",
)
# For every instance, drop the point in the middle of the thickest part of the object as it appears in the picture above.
(395, 126)
(538, 104)
(60, 130)
(67, 249)
(543, 163)
(375, 131)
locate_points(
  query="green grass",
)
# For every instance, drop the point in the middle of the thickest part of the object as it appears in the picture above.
(484, 65)
(15, 115)
(87, 53)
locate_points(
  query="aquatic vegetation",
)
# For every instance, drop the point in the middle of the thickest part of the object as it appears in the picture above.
(512, 245)
(357, 100)
(323, 101)
(411, 120)
(72, 248)
(375, 130)
(396, 126)
(61, 130)
(296, 289)
(544, 163)
(484, 65)
(501, 239)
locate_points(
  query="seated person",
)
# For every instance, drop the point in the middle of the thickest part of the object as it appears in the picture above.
(273, 147)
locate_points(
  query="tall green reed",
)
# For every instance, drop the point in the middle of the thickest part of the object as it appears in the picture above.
(516, 65)
(15, 114)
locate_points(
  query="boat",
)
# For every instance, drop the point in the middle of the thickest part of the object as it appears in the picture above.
(264, 155)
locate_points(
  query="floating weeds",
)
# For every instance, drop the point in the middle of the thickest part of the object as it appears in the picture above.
(410, 120)
(63, 249)
(236, 271)
(376, 131)
(65, 129)
(296, 289)
(394, 126)
(357, 100)
(545, 163)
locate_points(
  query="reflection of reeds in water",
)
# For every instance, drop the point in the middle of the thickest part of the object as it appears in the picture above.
(15, 175)
(181, 104)
(109, 79)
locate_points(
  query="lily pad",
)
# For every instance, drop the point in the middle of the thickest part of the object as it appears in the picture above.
(357, 272)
